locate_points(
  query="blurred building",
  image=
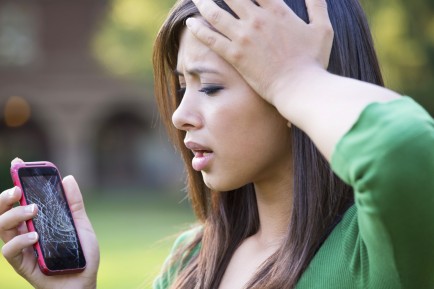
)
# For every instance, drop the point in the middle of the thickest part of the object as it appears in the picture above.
(58, 104)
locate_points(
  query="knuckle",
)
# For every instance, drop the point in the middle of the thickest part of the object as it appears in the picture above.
(236, 55)
(328, 31)
(214, 17)
(2, 224)
(280, 13)
(257, 23)
(325, 29)
(5, 251)
(76, 207)
(245, 38)
(210, 41)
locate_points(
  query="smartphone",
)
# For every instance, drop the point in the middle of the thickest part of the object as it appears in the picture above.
(58, 249)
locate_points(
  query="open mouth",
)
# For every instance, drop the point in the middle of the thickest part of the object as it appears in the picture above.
(202, 159)
(201, 153)
(202, 156)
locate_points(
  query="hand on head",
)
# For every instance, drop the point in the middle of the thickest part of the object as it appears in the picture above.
(269, 45)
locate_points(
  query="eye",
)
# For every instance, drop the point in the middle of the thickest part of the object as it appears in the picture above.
(211, 89)
(180, 92)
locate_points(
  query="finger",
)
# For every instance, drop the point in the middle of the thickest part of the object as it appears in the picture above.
(82, 222)
(16, 161)
(13, 219)
(274, 5)
(242, 8)
(13, 250)
(22, 228)
(218, 18)
(318, 13)
(208, 36)
(320, 21)
(277, 9)
(9, 198)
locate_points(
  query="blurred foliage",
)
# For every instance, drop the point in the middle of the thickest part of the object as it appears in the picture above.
(404, 35)
(403, 32)
(126, 35)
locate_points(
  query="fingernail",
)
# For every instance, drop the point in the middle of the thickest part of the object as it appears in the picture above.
(189, 22)
(11, 192)
(32, 236)
(30, 208)
(16, 160)
(69, 177)
(67, 182)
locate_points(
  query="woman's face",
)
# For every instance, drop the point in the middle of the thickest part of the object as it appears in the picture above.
(236, 137)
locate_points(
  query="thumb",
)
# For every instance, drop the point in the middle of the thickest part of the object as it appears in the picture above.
(76, 204)
(321, 24)
(75, 201)
(84, 227)
(74, 198)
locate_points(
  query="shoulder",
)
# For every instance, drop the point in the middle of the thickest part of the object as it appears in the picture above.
(186, 237)
(178, 256)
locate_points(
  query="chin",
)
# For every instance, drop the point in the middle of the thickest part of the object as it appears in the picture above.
(221, 184)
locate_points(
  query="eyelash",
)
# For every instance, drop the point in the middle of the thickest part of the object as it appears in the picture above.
(208, 90)
(211, 89)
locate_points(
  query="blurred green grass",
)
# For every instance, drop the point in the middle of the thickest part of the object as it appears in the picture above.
(135, 234)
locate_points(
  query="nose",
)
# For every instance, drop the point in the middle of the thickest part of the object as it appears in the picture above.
(187, 116)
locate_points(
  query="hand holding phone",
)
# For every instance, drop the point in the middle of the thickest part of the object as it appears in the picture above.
(58, 249)
(61, 244)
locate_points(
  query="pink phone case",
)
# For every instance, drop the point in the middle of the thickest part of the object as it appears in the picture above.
(30, 225)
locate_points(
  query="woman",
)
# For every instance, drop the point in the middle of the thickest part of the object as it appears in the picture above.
(272, 214)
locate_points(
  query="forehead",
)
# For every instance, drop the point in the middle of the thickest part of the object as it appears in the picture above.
(194, 53)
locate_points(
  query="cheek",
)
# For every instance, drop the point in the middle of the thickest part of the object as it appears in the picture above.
(249, 138)
(247, 128)
(264, 150)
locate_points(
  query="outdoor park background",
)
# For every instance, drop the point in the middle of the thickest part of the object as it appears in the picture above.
(130, 178)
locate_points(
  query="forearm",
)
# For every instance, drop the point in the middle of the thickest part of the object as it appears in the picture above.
(325, 106)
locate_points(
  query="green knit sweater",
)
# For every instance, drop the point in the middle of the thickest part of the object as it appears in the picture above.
(386, 240)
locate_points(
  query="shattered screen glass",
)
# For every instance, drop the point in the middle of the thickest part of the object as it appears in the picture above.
(57, 235)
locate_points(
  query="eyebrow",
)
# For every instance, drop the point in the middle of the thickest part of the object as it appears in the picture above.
(196, 71)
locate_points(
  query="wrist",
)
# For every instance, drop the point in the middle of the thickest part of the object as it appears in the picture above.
(295, 84)
(297, 94)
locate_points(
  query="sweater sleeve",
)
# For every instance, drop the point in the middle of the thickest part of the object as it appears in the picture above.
(388, 158)
(172, 267)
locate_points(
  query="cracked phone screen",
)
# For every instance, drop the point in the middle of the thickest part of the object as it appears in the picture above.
(57, 235)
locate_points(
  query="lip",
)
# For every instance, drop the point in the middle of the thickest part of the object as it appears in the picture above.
(202, 155)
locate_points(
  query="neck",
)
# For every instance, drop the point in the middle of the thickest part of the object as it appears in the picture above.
(274, 207)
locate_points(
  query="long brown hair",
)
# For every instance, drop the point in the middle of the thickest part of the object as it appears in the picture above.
(320, 198)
